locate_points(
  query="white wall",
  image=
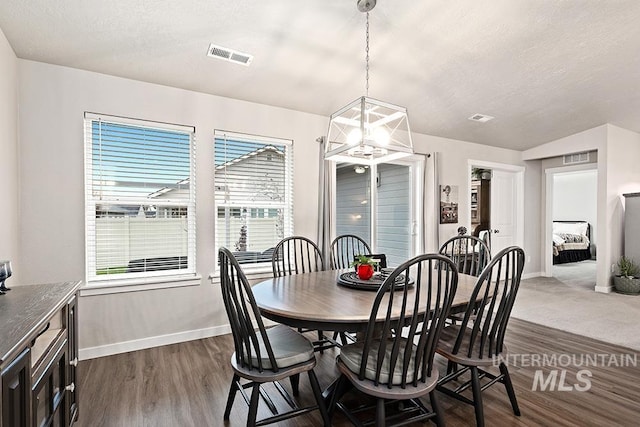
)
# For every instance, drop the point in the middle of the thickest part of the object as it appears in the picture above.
(52, 101)
(9, 244)
(588, 140)
(618, 172)
(453, 170)
(575, 198)
(623, 176)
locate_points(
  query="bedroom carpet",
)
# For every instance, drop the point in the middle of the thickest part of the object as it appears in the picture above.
(573, 306)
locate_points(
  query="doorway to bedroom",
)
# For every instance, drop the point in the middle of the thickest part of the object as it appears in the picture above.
(572, 196)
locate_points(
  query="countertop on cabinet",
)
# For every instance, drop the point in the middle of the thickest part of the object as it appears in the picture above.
(25, 311)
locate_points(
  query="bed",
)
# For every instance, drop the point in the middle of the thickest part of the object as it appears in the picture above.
(571, 241)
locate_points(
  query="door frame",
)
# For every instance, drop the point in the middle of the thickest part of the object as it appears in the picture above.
(417, 165)
(549, 174)
(518, 172)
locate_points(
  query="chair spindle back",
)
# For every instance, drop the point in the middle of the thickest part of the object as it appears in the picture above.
(345, 248)
(295, 255)
(410, 360)
(244, 316)
(470, 254)
(494, 293)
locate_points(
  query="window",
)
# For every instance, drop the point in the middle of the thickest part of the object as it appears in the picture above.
(140, 198)
(253, 194)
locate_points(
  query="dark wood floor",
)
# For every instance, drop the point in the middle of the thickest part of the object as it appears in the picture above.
(186, 385)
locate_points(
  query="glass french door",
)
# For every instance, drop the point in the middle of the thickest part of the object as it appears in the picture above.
(381, 205)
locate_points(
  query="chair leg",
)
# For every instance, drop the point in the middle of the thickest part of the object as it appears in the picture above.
(435, 406)
(339, 389)
(315, 386)
(320, 338)
(232, 395)
(509, 386)
(477, 396)
(253, 406)
(343, 338)
(451, 367)
(380, 413)
(295, 381)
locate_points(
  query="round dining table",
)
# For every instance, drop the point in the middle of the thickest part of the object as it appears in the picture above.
(316, 301)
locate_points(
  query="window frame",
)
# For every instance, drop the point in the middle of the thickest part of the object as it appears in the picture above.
(121, 282)
(258, 269)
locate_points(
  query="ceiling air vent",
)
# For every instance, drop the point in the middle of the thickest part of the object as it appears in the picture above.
(482, 118)
(572, 159)
(230, 55)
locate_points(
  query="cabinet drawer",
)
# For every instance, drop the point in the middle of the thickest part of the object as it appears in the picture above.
(47, 342)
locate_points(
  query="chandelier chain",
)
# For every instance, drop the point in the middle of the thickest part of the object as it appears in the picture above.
(367, 57)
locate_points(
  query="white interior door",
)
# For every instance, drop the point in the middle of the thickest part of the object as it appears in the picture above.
(503, 210)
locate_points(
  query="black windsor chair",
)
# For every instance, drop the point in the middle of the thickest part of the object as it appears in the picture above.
(386, 364)
(263, 355)
(295, 255)
(478, 341)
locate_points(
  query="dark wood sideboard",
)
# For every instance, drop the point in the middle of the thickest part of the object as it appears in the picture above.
(39, 355)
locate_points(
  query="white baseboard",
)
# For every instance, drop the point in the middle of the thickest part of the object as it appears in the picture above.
(532, 275)
(149, 342)
(604, 289)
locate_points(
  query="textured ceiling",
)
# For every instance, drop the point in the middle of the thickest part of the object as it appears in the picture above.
(543, 68)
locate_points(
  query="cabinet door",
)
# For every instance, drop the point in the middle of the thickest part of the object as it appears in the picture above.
(16, 392)
(49, 393)
(72, 383)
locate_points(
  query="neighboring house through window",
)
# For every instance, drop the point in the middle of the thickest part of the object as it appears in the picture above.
(253, 194)
(140, 198)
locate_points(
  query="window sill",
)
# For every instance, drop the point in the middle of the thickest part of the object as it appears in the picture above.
(136, 285)
(253, 274)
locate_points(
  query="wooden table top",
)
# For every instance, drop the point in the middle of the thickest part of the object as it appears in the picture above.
(315, 300)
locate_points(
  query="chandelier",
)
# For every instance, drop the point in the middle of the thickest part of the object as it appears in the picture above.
(368, 131)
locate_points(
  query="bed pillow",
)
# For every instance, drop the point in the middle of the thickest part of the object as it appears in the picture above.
(571, 238)
(557, 240)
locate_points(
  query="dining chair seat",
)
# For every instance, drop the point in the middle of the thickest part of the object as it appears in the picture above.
(351, 356)
(289, 348)
(410, 391)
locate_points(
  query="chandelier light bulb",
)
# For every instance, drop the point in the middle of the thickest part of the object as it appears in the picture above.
(355, 137)
(381, 136)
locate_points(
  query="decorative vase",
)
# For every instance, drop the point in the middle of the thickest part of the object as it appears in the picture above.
(365, 271)
(627, 285)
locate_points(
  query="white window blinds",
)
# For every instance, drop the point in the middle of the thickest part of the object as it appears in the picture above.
(140, 198)
(253, 194)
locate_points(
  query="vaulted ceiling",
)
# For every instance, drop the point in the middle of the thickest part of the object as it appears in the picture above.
(543, 68)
